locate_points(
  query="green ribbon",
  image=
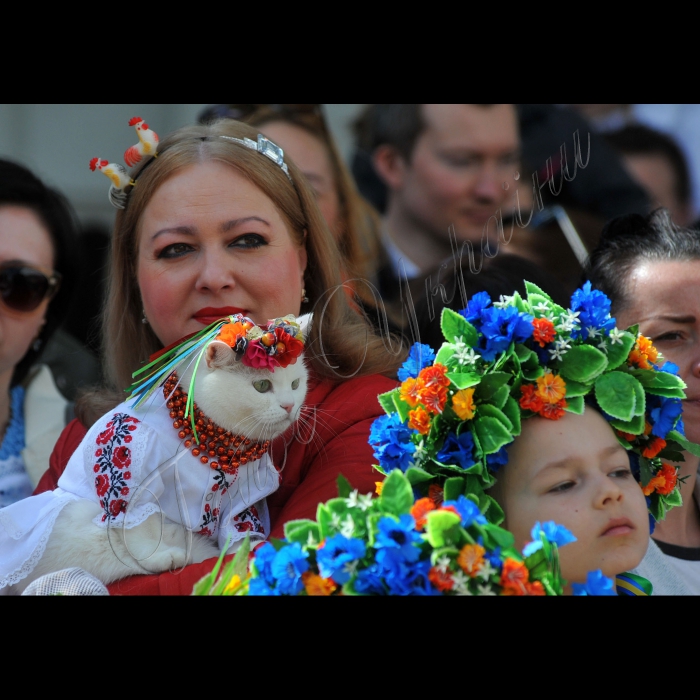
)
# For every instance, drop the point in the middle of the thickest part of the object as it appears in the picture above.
(631, 584)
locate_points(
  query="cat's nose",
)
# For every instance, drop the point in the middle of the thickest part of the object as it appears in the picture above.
(287, 407)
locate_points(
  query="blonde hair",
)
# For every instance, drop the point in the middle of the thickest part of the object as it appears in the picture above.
(340, 345)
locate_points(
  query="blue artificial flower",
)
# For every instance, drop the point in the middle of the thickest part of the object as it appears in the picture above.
(500, 327)
(370, 581)
(663, 412)
(597, 583)
(475, 307)
(468, 511)
(497, 459)
(397, 541)
(594, 308)
(335, 555)
(288, 566)
(391, 438)
(458, 450)
(259, 587)
(556, 534)
(419, 357)
(494, 558)
(669, 368)
(264, 556)
(409, 579)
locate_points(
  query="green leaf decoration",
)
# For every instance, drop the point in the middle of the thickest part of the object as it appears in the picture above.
(387, 401)
(490, 384)
(640, 400)
(416, 475)
(524, 353)
(512, 410)
(660, 383)
(634, 426)
(344, 486)
(238, 566)
(442, 527)
(454, 326)
(488, 409)
(503, 538)
(576, 405)
(645, 471)
(402, 407)
(583, 363)
(673, 499)
(299, 530)
(657, 509)
(684, 443)
(500, 397)
(397, 494)
(454, 488)
(492, 434)
(532, 373)
(531, 289)
(616, 394)
(618, 352)
(494, 513)
(444, 354)
(323, 518)
(576, 389)
(464, 380)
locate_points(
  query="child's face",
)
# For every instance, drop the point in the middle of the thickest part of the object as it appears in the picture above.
(574, 471)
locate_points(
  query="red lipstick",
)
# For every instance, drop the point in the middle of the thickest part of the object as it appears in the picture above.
(209, 314)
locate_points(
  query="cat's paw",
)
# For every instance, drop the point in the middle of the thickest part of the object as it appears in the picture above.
(165, 559)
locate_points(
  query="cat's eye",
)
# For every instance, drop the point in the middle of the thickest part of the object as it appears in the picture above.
(295, 384)
(263, 385)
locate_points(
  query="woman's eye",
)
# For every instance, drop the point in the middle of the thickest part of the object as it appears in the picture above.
(175, 250)
(263, 385)
(250, 240)
(670, 336)
(295, 384)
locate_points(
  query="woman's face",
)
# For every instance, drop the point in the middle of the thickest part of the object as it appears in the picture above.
(24, 240)
(665, 302)
(311, 157)
(211, 244)
(573, 471)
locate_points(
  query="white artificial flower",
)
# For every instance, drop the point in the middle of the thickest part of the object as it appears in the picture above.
(568, 321)
(460, 583)
(602, 345)
(420, 451)
(347, 529)
(593, 332)
(485, 589)
(466, 355)
(365, 501)
(351, 566)
(556, 353)
(353, 499)
(616, 336)
(541, 308)
(335, 521)
(310, 540)
(504, 302)
(443, 564)
(486, 571)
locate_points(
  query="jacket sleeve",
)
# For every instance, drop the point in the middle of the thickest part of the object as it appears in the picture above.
(66, 445)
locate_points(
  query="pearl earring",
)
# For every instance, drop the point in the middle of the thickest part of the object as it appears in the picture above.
(304, 298)
(144, 320)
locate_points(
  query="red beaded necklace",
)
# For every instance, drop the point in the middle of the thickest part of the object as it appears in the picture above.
(226, 450)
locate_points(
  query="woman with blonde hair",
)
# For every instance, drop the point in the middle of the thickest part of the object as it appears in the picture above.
(221, 223)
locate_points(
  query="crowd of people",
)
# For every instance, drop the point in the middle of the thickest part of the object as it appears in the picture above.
(252, 213)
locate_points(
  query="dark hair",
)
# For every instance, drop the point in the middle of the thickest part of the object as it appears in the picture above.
(19, 187)
(629, 240)
(638, 140)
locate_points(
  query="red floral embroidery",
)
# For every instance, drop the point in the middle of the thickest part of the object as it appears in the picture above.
(101, 484)
(122, 457)
(248, 520)
(127, 475)
(117, 506)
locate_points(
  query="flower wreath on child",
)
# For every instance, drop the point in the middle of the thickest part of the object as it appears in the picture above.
(434, 528)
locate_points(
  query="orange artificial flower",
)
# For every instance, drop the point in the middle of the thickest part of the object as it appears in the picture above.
(419, 420)
(471, 558)
(655, 445)
(551, 388)
(643, 353)
(514, 577)
(378, 486)
(317, 585)
(420, 509)
(663, 483)
(436, 494)
(409, 392)
(543, 331)
(433, 397)
(434, 375)
(553, 411)
(530, 401)
(442, 580)
(535, 588)
(231, 332)
(628, 436)
(463, 404)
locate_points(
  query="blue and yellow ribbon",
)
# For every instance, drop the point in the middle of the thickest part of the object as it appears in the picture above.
(631, 584)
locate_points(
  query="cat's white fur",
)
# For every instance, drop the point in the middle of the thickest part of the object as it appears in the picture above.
(225, 392)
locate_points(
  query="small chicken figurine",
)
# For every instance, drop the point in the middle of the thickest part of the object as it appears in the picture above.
(120, 179)
(147, 145)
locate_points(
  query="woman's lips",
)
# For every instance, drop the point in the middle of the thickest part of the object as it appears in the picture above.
(617, 526)
(210, 314)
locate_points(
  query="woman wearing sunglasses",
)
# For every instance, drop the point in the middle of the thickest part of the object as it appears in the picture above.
(37, 242)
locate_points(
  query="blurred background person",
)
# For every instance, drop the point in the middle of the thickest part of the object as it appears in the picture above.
(657, 163)
(38, 270)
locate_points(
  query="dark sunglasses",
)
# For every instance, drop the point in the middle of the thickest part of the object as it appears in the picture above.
(23, 288)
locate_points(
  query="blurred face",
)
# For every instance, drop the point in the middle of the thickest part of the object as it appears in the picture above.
(310, 155)
(655, 174)
(458, 167)
(24, 240)
(212, 244)
(665, 302)
(574, 471)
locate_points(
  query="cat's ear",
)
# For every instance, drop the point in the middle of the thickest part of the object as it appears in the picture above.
(219, 355)
(304, 322)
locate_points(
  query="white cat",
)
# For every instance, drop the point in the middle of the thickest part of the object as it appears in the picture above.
(133, 499)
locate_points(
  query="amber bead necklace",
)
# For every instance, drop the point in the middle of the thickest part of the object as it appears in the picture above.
(220, 448)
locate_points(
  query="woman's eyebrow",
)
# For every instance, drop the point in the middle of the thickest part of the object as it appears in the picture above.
(183, 230)
(674, 318)
(237, 222)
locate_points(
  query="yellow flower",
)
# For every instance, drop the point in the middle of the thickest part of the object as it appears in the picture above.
(379, 485)
(234, 583)
(471, 558)
(463, 404)
(551, 388)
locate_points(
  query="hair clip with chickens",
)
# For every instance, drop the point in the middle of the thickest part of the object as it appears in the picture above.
(265, 147)
(117, 173)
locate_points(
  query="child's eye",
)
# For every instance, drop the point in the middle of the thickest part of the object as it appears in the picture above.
(176, 250)
(263, 385)
(622, 473)
(249, 240)
(295, 384)
(561, 488)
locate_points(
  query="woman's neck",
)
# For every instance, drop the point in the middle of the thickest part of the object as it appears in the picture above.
(5, 379)
(682, 524)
